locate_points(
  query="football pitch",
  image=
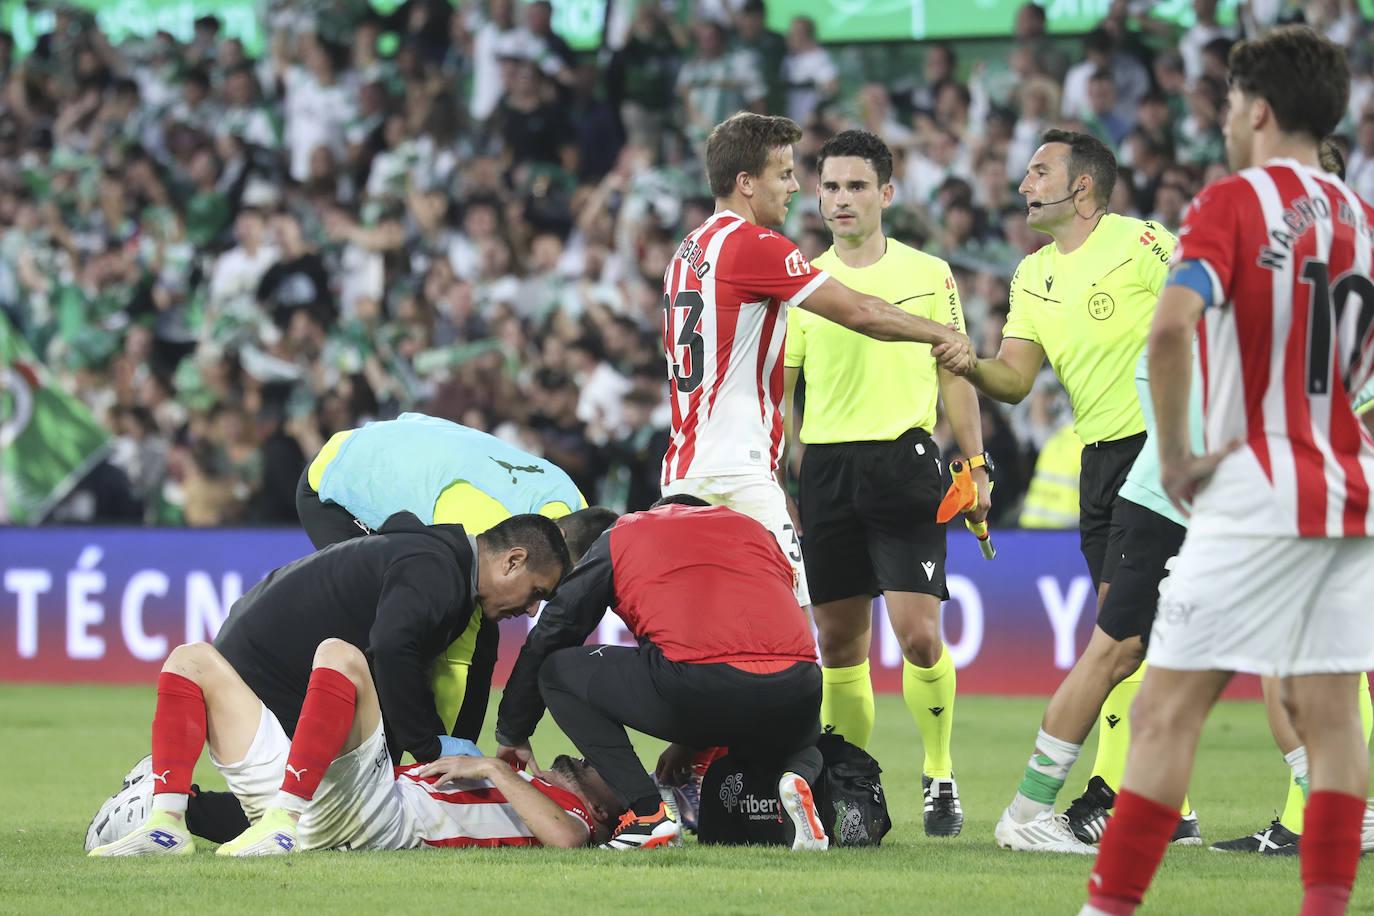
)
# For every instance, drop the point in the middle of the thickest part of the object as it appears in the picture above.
(67, 747)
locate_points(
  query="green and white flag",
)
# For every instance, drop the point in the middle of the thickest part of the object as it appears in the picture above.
(48, 439)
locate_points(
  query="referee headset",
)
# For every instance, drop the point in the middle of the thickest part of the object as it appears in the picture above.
(1078, 190)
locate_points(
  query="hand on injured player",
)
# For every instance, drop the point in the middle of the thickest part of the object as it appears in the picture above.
(447, 768)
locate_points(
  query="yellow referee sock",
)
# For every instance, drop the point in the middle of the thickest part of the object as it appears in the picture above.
(929, 694)
(847, 703)
(1114, 735)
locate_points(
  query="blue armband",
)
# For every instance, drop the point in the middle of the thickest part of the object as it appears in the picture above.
(1198, 277)
(450, 746)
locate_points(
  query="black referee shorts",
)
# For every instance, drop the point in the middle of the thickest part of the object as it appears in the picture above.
(1146, 542)
(1105, 466)
(868, 518)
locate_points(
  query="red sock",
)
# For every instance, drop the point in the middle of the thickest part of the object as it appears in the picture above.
(178, 733)
(326, 717)
(1330, 850)
(1132, 846)
(702, 761)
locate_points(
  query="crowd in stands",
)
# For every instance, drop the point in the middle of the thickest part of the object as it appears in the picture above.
(230, 259)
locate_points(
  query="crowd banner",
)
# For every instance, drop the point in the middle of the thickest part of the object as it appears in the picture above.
(106, 605)
(48, 439)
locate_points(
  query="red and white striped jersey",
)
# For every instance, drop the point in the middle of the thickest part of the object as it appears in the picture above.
(1283, 351)
(471, 812)
(725, 297)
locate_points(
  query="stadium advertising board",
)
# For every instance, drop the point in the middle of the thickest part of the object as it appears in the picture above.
(578, 21)
(894, 20)
(108, 604)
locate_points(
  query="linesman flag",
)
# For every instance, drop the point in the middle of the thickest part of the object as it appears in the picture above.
(48, 439)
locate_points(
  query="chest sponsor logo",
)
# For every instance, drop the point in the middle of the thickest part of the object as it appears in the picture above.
(1049, 283)
(1101, 306)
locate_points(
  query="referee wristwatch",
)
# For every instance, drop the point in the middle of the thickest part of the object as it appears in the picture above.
(981, 460)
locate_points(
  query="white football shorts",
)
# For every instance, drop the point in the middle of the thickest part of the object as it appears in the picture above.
(1279, 606)
(357, 806)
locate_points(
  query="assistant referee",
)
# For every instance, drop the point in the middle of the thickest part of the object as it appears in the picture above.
(1085, 302)
(870, 476)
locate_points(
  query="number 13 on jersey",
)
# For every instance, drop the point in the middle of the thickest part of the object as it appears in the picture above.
(682, 338)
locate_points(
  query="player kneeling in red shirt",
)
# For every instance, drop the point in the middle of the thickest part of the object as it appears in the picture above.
(725, 657)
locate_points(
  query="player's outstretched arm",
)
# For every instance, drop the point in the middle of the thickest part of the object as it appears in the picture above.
(1010, 376)
(880, 320)
(550, 824)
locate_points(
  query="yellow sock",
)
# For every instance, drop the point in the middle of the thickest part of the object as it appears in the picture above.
(1114, 736)
(847, 703)
(1293, 806)
(929, 694)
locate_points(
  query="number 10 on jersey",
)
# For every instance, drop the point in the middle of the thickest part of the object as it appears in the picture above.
(682, 338)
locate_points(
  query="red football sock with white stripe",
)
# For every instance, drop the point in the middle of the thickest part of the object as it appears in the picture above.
(178, 738)
(1132, 847)
(1330, 851)
(326, 717)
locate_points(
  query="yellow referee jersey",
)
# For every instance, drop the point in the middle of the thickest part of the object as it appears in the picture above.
(859, 389)
(1090, 310)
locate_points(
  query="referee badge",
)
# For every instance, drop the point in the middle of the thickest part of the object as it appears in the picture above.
(1101, 306)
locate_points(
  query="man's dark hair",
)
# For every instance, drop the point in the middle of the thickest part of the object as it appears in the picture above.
(679, 499)
(1331, 158)
(584, 526)
(1035, 10)
(540, 536)
(1303, 76)
(741, 143)
(863, 144)
(1087, 156)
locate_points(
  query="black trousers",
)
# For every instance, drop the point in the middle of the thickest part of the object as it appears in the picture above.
(596, 692)
(324, 523)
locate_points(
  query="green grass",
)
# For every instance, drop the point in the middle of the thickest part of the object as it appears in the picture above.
(66, 748)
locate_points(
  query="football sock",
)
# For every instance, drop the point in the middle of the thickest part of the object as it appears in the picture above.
(1330, 852)
(847, 703)
(178, 738)
(1045, 774)
(929, 694)
(325, 720)
(1132, 847)
(1114, 737)
(173, 802)
(1297, 789)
